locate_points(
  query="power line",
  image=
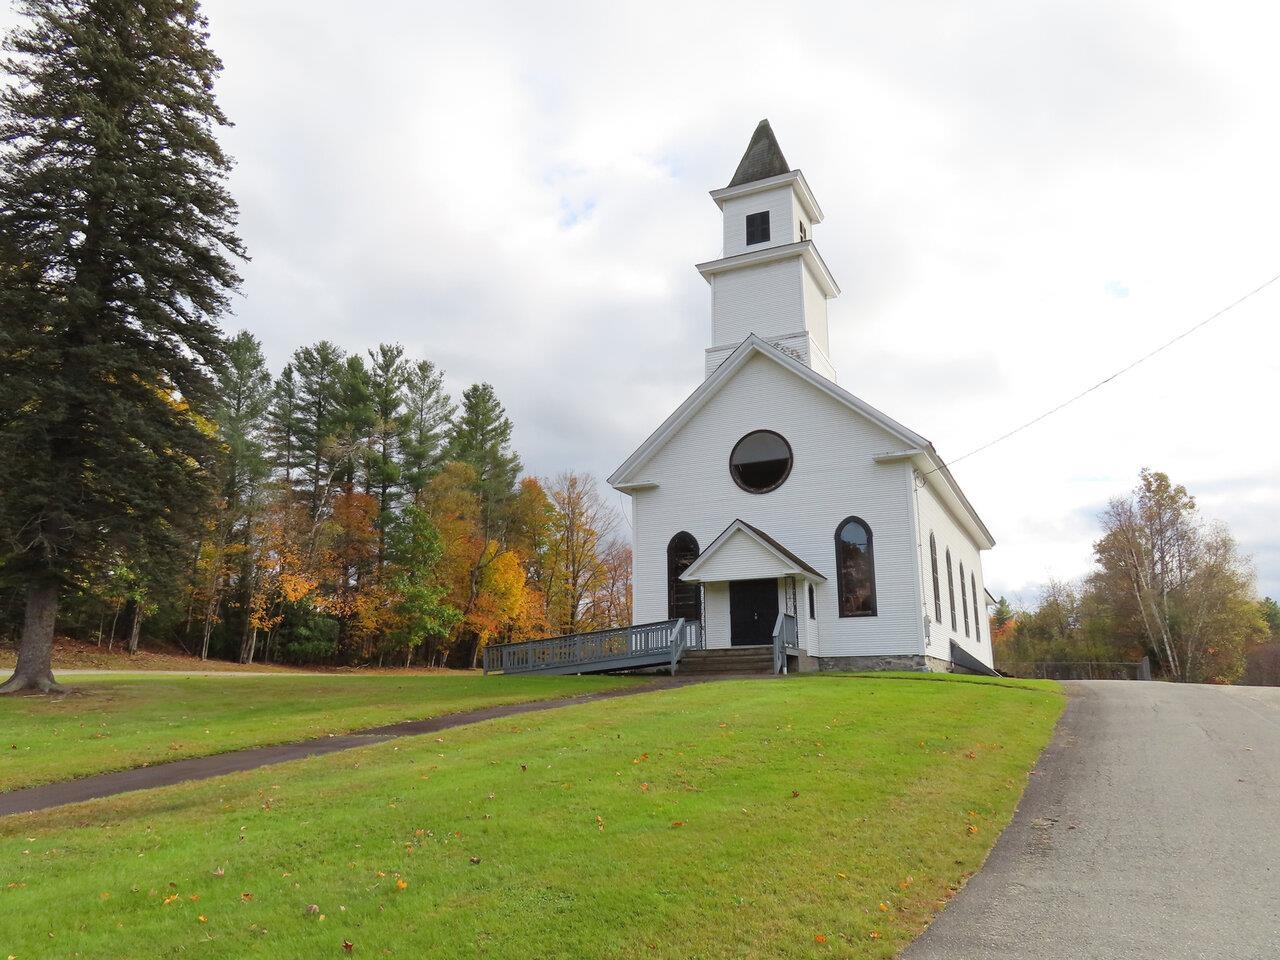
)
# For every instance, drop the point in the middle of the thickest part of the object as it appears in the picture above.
(1103, 382)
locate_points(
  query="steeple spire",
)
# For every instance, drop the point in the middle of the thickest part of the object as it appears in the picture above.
(763, 158)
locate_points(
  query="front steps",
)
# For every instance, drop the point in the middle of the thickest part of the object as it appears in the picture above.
(729, 661)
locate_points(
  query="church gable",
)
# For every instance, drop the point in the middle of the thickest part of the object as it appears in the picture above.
(767, 368)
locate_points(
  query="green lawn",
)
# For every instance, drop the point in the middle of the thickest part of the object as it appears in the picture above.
(806, 817)
(113, 722)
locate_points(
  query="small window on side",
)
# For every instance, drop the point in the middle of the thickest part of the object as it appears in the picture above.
(804, 232)
(813, 612)
(758, 227)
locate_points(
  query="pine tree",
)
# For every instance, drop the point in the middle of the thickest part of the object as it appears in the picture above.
(282, 425)
(117, 235)
(481, 438)
(318, 372)
(426, 422)
(388, 377)
(245, 392)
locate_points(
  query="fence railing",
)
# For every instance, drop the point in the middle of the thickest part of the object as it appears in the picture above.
(1077, 669)
(785, 635)
(615, 648)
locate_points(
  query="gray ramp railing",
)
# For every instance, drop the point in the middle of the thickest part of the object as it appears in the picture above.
(619, 648)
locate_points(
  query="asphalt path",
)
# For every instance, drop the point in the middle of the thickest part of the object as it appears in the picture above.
(30, 799)
(1150, 829)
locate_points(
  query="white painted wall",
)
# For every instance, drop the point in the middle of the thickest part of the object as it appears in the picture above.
(935, 518)
(815, 309)
(766, 300)
(834, 476)
(782, 204)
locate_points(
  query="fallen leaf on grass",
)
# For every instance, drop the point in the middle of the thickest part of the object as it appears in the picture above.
(401, 883)
(600, 823)
(348, 946)
(819, 938)
(246, 896)
(677, 823)
(875, 934)
(883, 906)
(202, 918)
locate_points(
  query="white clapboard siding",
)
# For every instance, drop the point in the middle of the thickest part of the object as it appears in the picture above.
(935, 518)
(766, 300)
(834, 476)
(781, 204)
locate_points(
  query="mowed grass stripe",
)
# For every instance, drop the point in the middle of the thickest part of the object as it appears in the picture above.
(114, 722)
(766, 818)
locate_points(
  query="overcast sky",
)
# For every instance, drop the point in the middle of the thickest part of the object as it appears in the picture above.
(1020, 198)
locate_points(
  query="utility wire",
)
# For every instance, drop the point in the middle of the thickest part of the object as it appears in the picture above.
(1103, 382)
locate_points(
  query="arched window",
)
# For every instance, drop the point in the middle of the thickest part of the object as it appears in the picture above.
(977, 606)
(937, 590)
(683, 599)
(813, 607)
(855, 569)
(951, 589)
(964, 599)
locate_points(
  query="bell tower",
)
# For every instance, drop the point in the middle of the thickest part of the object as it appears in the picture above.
(770, 280)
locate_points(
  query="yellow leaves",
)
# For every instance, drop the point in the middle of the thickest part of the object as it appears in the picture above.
(202, 918)
(171, 898)
(971, 829)
(883, 906)
(875, 934)
(600, 823)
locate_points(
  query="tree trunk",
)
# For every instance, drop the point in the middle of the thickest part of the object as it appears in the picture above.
(35, 656)
(136, 629)
(209, 613)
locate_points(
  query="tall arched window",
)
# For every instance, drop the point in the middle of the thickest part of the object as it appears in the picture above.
(855, 569)
(964, 599)
(683, 599)
(951, 589)
(977, 617)
(937, 590)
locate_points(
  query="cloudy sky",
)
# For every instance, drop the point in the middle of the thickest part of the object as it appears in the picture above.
(1020, 198)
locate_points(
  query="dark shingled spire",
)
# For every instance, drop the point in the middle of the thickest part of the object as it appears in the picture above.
(763, 158)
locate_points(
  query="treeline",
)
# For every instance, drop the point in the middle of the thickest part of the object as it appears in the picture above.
(1167, 584)
(362, 516)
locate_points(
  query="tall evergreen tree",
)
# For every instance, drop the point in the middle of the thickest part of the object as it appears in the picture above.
(318, 372)
(428, 416)
(481, 438)
(388, 376)
(118, 238)
(283, 425)
(245, 393)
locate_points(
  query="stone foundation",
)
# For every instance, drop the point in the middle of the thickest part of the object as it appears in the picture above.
(912, 662)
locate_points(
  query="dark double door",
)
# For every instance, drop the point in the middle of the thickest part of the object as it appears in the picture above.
(753, 610)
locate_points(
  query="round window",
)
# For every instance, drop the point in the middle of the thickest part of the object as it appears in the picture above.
(760, 461)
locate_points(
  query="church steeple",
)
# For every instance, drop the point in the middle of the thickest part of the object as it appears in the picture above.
(769, 280)
(763, 158)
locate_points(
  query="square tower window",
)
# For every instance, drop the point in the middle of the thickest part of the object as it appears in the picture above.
(804, 232)
(757, 227)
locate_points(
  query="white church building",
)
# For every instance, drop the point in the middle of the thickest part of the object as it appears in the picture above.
(774, 499)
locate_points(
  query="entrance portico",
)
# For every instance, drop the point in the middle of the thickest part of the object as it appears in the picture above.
(753, 586)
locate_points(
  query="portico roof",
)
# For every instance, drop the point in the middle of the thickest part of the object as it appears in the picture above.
(744, 552)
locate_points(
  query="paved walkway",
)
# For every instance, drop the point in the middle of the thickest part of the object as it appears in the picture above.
(202, 768)
(1151, 829)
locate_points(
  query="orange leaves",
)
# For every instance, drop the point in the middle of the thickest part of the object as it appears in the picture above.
(644, 788)
(906, 884)
(402, 883)
(246, 896)
(971, 829)
(819, 938)
(171, 898)
(883, 906)
(676, 824)
(875, 934)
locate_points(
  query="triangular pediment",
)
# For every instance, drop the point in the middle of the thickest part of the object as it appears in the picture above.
(744, 552)
(901, 442)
